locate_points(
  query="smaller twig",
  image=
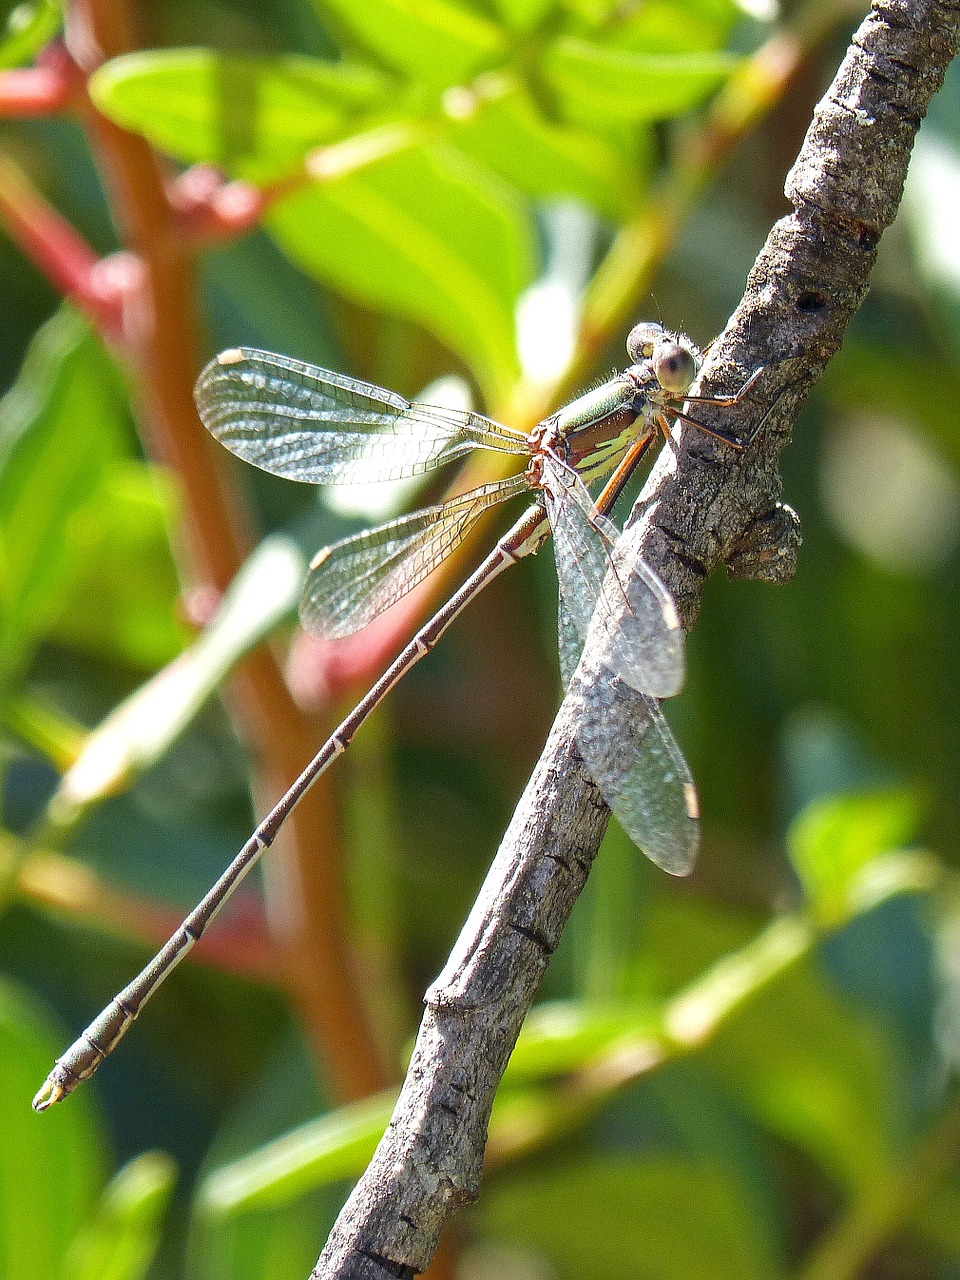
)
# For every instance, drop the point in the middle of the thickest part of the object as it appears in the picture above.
(60, 252)
(47, 89)
(239, 946)
(27, 92)
(212, 210)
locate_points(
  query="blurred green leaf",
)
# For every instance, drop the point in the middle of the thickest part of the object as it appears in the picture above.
(54, 736)
(435, 42)
(628, 1217)
(819, 1072)
(28, 26)
(602, 85)
(60, 425)
(141, 729)
(108, 610)
(938, 1219)
(832, 841)
(121, 1237)
(675, 26)
(261, 1239)
(931, 193)
(336, 1146)
(264, 1244)
(426, 235)
(253, 116)
(523, 15)
(546, 160)
(565, 1035)
(51, 1166)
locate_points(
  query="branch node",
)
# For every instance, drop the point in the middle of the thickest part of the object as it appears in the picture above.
(768, 547)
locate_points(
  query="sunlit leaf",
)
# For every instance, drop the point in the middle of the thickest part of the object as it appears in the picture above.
(315, 1154)
(253, 116)
(675, 26)
(59, 426)
(435, 42)
(833, 840)
(622, 1217)
(543, 158)
(28, 26)
(564, 1035)
(600, 84)
(121, 1238)
(931, 192)
(137, 733)
(426, 235)
(51, 1167)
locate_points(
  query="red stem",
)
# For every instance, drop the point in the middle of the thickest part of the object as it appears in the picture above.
(160, 334)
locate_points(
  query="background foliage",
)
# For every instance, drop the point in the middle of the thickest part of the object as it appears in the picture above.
(750, 1074)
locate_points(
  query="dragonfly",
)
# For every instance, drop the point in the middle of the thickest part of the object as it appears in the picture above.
(318, 426)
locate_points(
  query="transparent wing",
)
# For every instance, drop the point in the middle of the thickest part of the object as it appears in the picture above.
(306, 423)
(641, 634)
(354, 580)
(642, 775)
(645, 781)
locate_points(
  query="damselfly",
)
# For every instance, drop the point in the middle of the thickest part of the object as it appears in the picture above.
(309, 424)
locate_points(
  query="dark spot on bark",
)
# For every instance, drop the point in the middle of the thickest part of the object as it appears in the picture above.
(811, 300)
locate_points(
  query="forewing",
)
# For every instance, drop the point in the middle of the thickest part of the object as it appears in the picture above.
(354, 580)
(306, 423)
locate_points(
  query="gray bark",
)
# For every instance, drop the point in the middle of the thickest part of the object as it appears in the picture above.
(705, 503)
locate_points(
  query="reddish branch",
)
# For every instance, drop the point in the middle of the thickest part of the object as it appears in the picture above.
(142, 301)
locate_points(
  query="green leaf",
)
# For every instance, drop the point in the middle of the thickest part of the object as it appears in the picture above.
(603, 85)
(626, 1217)
(523, 15)
(266, 1243)
(434, 42)
(262, 1239)
(546, 160)
(675, 26)
(834, 839)
(51, 1166)
(565, 1035)
(28, 27)
(120, 596)
(142, 729)
(121, 1238)
(59, 426)
(425, 235)
(253, 116)
(818, 1072)
(931, 191)
(318, 1153)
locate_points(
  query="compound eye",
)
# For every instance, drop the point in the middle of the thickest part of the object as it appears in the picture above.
(675, 367)
(642, 339)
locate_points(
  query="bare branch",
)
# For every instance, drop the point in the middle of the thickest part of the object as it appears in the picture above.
(705, 502)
